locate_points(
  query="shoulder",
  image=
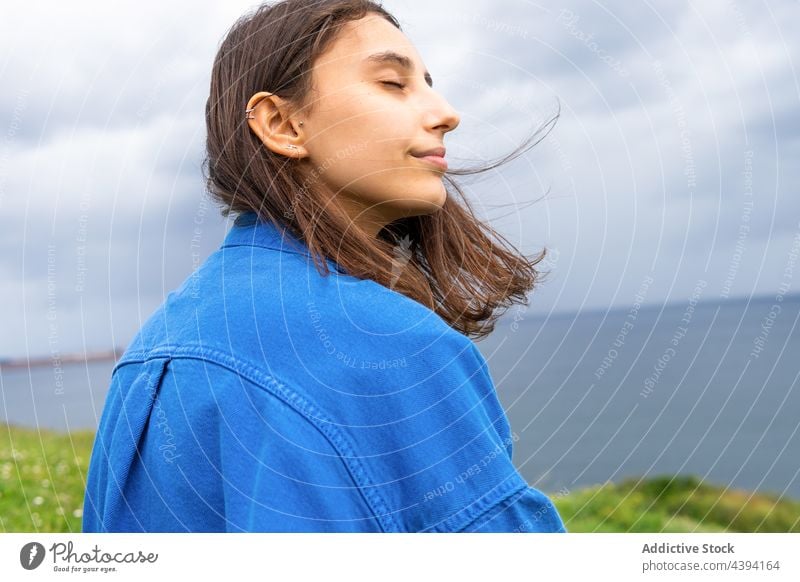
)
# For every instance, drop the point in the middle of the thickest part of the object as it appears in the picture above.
(249, 297)
(405, 400)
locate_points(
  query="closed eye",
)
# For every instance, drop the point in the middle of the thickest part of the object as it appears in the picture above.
(394, 84)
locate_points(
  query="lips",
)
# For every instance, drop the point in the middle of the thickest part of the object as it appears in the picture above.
(436, 152)
(434, 156)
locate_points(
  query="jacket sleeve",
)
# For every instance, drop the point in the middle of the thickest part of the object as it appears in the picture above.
(524, 510)
(500, 501)
(528, 510)
(438, 444)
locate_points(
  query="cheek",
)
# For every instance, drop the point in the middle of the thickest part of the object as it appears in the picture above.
(364, 154)
(354, 160)
(350, 148)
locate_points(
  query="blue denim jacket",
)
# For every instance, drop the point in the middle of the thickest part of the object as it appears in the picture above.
(262, 396)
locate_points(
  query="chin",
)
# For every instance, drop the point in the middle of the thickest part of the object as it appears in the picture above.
(439, 197)
(429, 202)
(418, 197)
(432, 190)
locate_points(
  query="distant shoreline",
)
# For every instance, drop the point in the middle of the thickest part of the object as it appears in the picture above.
(58, 359)
(114, 354)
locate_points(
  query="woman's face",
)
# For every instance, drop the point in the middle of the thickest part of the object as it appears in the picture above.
(363, 129)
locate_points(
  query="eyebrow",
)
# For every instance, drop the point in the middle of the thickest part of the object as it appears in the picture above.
(396, 58)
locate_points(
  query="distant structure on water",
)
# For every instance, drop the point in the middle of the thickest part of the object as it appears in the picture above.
(58, 359)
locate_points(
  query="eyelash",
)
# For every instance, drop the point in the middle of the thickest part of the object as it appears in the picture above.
(392, 83)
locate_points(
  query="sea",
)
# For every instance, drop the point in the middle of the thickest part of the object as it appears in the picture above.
(709, 389)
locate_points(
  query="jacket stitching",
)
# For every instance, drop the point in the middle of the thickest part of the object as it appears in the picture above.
(114, 507)
(467, 516)
(504, 499)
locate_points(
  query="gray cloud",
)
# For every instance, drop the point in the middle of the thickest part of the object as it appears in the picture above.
(102, 129)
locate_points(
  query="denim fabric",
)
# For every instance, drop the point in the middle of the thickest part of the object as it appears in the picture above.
(263, 396)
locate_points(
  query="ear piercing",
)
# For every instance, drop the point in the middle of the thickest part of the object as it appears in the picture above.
(249, 115)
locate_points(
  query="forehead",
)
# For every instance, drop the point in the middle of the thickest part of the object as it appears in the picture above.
(357, 40)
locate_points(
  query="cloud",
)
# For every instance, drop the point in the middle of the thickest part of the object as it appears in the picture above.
(102, 135)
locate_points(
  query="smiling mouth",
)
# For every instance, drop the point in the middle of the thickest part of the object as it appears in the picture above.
(437, 161)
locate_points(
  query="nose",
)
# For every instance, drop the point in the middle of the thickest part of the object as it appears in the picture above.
(441, 114)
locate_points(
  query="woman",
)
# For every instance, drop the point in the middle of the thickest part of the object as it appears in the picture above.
(316, 373)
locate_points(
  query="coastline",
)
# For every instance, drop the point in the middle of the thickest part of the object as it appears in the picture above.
(57, 359)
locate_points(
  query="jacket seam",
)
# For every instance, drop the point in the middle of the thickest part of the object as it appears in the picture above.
(285, 249)
(114, 506)
(300, 403)
(466, 517)
(513, 494)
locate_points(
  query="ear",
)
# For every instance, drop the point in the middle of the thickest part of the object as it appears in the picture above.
(269, 120)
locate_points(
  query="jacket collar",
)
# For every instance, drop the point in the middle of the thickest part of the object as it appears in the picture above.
(250, 230)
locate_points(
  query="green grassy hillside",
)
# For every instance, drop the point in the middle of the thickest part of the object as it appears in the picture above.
(675, 505)
(42, 476)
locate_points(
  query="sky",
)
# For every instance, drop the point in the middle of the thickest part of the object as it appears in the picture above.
(671, 168)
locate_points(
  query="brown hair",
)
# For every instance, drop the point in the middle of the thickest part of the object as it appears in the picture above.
(451, 263)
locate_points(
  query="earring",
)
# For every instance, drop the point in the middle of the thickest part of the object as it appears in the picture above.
(291, 147)
(248, 113)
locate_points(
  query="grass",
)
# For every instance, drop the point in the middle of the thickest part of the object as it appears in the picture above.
(675, 505)
(42, 476)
